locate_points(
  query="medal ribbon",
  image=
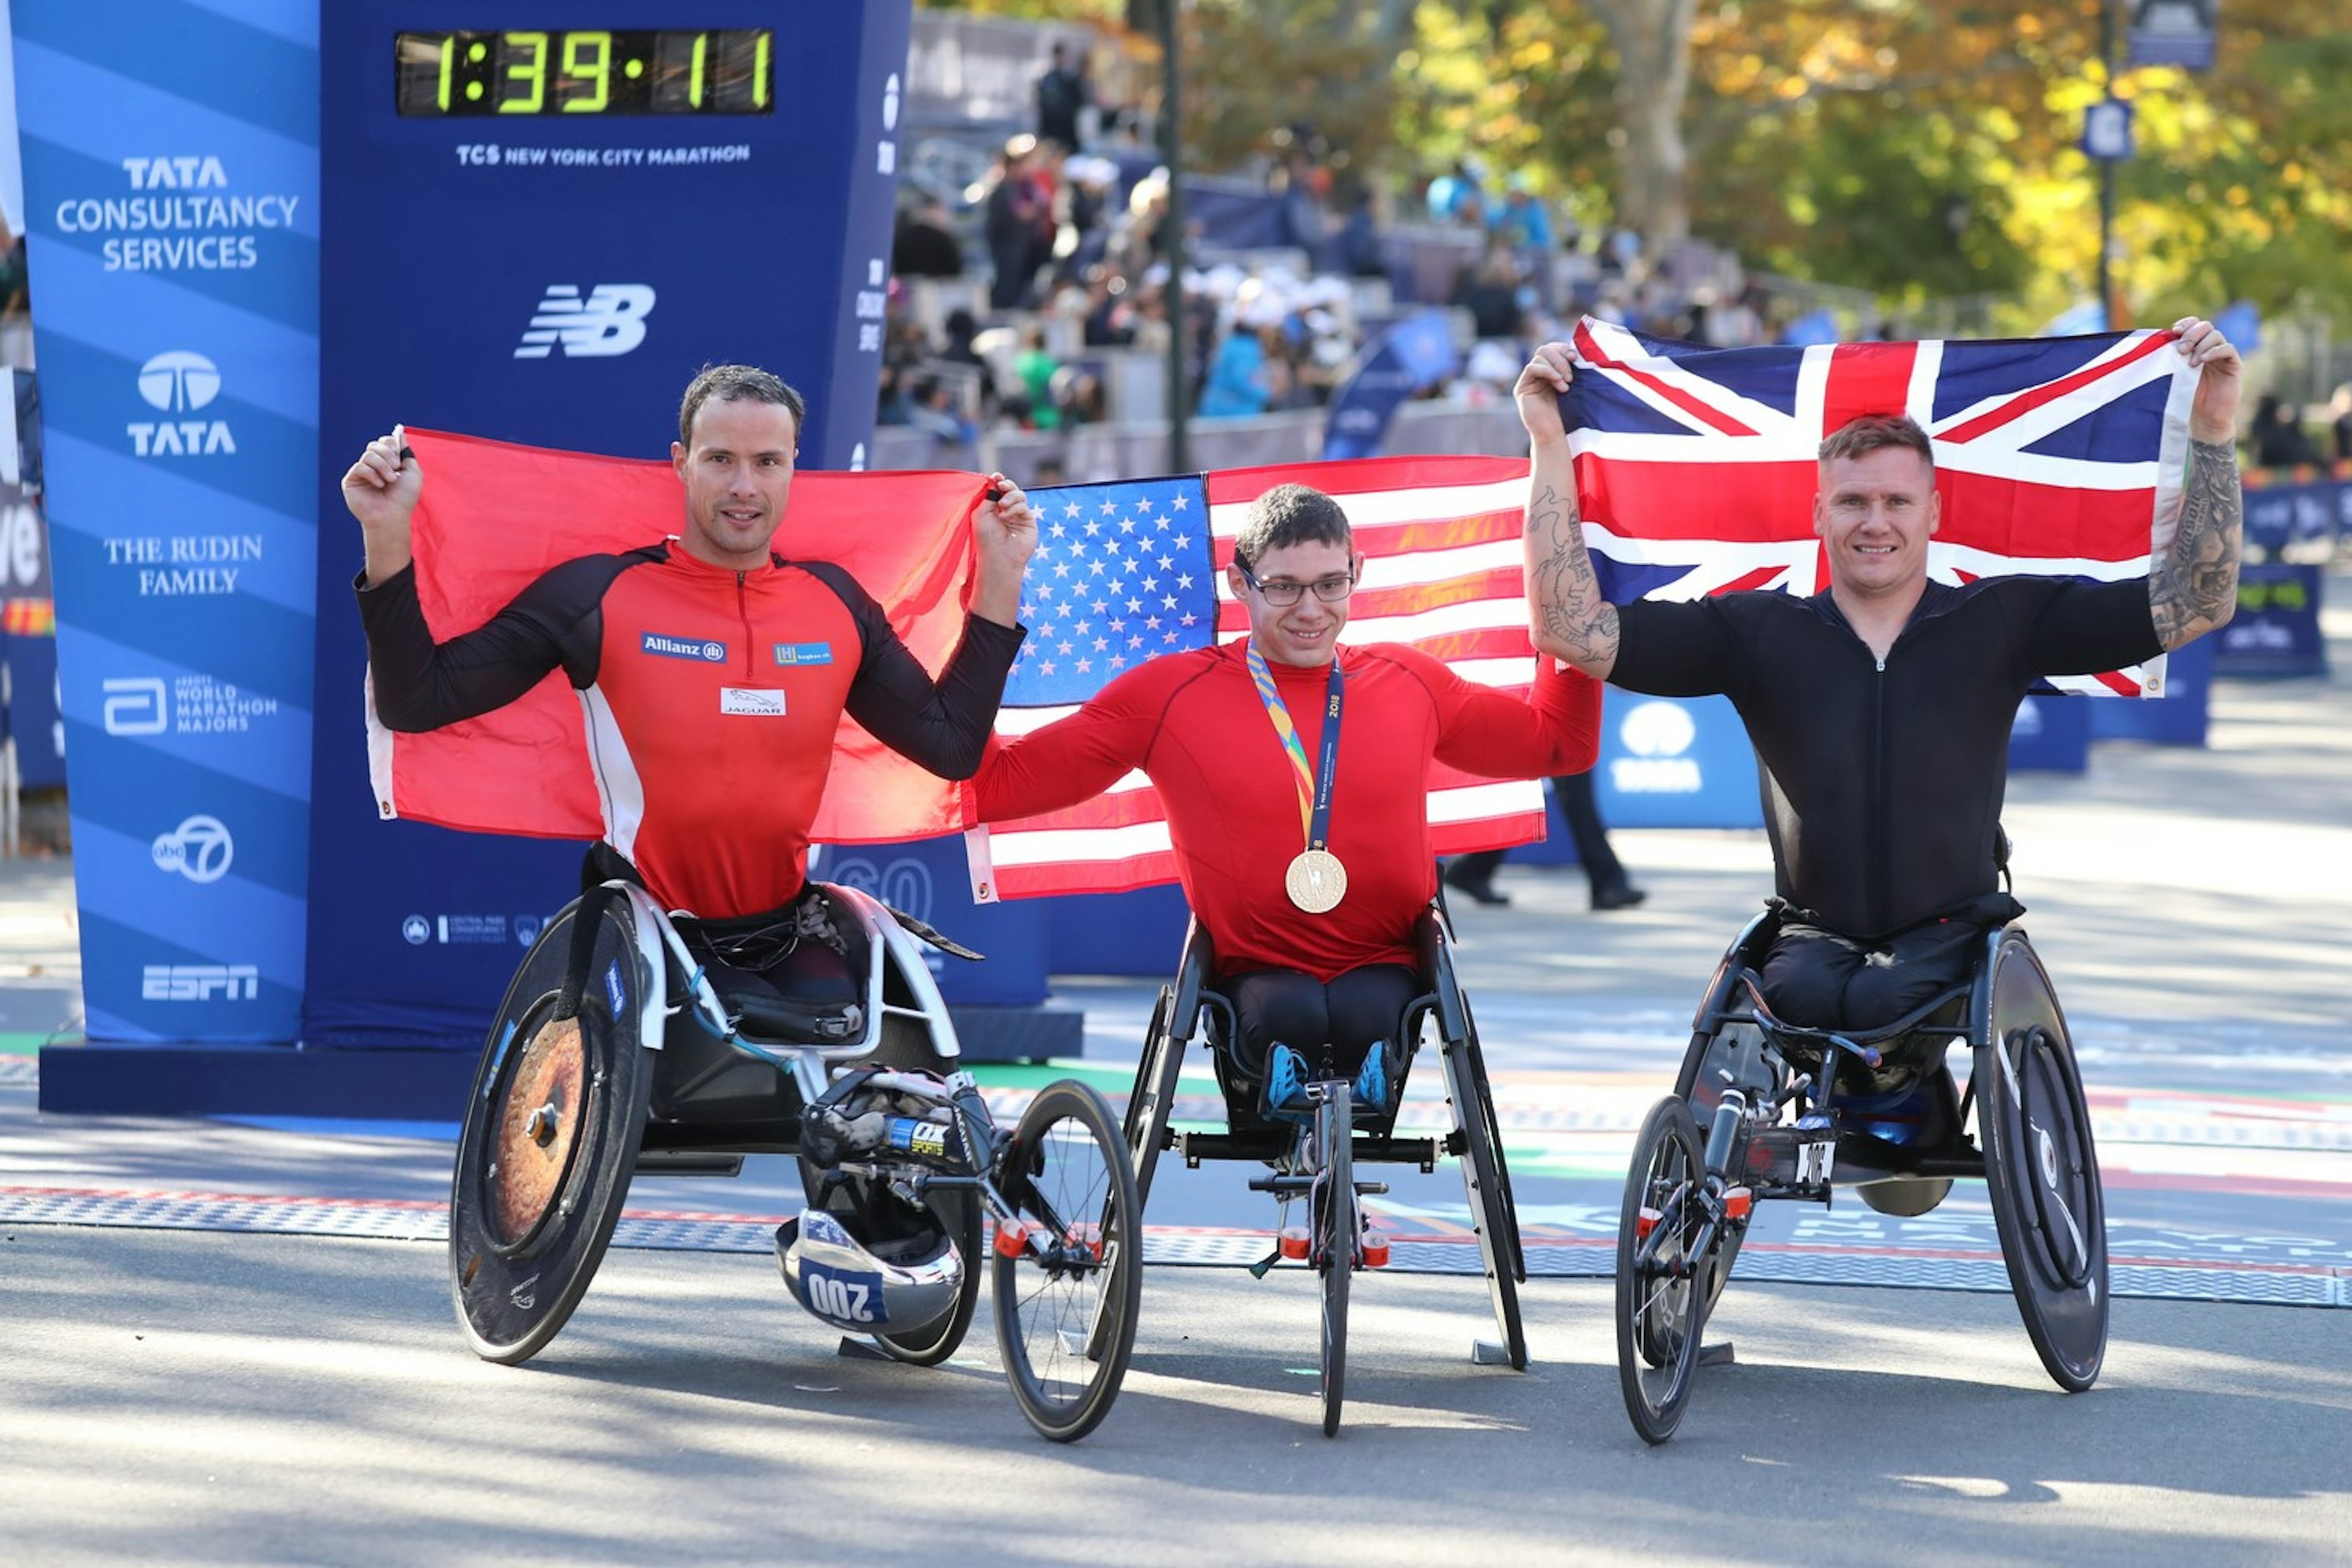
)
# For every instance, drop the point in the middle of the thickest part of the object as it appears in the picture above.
(1315, 786)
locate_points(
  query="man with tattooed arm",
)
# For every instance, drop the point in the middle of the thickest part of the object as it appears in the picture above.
(1881, 709)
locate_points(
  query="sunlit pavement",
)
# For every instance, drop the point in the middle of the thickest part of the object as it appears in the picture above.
(210, 1320)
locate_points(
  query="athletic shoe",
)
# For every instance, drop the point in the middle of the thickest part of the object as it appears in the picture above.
(1285, 1083)
(1371, 1090)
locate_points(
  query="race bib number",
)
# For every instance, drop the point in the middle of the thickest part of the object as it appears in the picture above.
(842, 1295)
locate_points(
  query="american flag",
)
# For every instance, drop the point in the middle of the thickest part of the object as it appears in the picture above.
(1697, 467)
(1128, 571)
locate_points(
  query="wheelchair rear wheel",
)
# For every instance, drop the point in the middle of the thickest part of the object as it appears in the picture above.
(1336, 1225)
(1150, 1102)
(1488, 1181)
(1661, 1301)
(2041, 1170)
(1068, 1261)
(550, 1139)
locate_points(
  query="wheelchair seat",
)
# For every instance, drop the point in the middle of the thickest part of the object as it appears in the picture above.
(781, 985)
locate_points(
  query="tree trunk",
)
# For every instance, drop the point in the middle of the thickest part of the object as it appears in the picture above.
(1652, 42)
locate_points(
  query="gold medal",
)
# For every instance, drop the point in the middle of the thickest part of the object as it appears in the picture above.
(1315, 881)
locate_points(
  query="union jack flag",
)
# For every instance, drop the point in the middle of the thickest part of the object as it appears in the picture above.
(1695, 467)
(1128, 571)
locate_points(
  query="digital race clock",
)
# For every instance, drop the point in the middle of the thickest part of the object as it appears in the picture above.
(728, 71)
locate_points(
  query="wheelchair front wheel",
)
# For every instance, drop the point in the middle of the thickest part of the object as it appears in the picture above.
(1661, 1299)
(1068, 1261)
(1338, 1226)
(550, 1139)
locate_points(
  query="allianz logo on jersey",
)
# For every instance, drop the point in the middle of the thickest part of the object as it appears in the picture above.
(702, 650)
(609, 320)
(179, 382)
(199, 983)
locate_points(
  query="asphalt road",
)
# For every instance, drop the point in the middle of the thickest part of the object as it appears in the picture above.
(180, 1384)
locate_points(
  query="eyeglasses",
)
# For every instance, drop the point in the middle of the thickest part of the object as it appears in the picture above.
(1282, 592)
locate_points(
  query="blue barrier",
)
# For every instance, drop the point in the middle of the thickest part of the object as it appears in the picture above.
(2277, 630)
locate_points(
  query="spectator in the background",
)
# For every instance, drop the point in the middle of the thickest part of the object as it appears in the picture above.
(1604, 875)
(1036, 367)
(1494, 294)
(1361, 252)
(1456, 196)
(1062, 92)
(923, 243)
(1519, 220)
(1014, 214)
(2339, 424)
(1249, 373)
(2278, 438)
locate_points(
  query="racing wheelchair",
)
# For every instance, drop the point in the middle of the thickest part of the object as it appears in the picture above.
(632, 1040)
(1314, 1159)
(1764, 1109)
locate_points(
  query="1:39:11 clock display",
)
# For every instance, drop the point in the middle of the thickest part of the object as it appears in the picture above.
(580, 72)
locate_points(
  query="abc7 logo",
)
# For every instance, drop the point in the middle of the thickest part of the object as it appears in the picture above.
(199, 849)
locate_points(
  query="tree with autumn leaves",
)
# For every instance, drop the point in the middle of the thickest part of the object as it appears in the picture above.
(1916, 149)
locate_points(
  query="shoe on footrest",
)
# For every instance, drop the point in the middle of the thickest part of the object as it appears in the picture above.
(1285, 1083)
(1369, 1096)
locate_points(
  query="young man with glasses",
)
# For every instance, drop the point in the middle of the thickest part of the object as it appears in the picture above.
(1305, 856)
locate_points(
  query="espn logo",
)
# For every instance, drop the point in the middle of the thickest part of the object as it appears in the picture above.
(199, 983)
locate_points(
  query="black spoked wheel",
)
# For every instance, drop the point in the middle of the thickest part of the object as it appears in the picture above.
(550, 1138)
(1735, 1049)
(1067, 1296)
(1488, 1180)
(1150, 1102)
(1660, 1306)
(1336, 1229)
(2043, 1171)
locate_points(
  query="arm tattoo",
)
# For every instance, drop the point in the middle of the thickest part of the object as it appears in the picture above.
(1568, 593)
(2194, 585)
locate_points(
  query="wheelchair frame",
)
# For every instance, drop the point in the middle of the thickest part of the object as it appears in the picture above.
(1687, 1206)
(1191, 1010)
(628, 1090)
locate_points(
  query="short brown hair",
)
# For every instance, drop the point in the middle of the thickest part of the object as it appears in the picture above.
(1876, 432)
(729, 383)
(1287, 515)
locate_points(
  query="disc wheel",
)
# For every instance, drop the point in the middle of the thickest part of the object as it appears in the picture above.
(1336, 1229)
(1660, 1304)
(1069, 1291)
(959, 1213)
(549, 1140)
(2043, 1171)
(1488, 1180)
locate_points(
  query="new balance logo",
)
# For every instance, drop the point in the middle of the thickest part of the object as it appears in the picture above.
(611, 320)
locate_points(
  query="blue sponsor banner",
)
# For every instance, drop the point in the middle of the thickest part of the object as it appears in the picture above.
(1414, 353)
(2052, 734)
(2297, 506)
(541, 237)
(172, 192)
(2277, 630)
(1675, 761)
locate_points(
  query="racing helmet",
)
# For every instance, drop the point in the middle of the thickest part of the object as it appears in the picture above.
(898, 1284)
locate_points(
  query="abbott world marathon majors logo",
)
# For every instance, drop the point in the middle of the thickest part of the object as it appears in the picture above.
(1659, 736)
(609, 320)
(179, 382)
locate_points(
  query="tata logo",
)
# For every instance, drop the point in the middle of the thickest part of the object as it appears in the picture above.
(175, 173)
(179, 381)
(199, 983)
(199, 849)
(609, 320)
(702, 650)
(1658, 734)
